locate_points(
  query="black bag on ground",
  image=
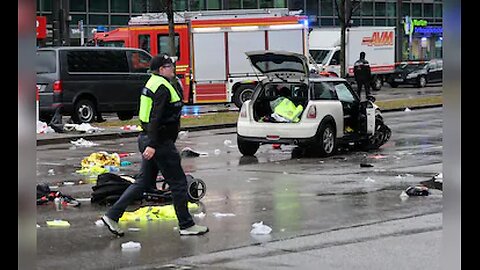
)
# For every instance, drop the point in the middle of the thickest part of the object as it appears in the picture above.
(109, 188)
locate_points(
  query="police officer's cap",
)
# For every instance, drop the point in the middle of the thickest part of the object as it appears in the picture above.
(160, 60)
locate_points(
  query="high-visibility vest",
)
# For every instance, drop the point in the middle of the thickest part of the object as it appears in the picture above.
(148, 92)
(288, 110)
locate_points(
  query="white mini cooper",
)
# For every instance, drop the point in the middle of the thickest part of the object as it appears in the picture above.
(332, 111)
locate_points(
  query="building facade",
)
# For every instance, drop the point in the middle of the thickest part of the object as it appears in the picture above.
(421, 28)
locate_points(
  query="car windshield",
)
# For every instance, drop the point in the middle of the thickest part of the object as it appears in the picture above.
(45, 62)
(410, 67)
(319, 55)
(111, 44)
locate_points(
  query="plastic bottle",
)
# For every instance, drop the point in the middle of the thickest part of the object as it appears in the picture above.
(58, 204)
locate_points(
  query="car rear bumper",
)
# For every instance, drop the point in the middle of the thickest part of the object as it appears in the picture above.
(294, 141)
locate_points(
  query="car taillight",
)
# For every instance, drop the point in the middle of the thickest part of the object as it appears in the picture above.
(243, 111)
(57, 87)
(312, 112)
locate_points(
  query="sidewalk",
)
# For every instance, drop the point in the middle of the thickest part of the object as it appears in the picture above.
(116, 132)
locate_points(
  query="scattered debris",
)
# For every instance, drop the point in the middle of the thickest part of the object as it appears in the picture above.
(407, 109)
(183, 134)
(51, 172)
(366, 165)
(189, 152)
(83, 142)
(43, 128)
(131, 245)
(200, 215)
(377, 156)
(83, 127)
(417, 190)
(122, 155)
(133, 229)
(125, 163)
(99, 223)
(438, 178)
(276, 146)
(131, 128)
(369, 179)
(216, 214)
(217, 152)
(260, 228)
(58, 223)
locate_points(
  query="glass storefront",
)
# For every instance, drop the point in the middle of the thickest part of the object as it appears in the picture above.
(426, 43)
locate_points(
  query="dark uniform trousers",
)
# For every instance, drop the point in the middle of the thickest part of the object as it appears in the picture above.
(166, 160)
(363, 84)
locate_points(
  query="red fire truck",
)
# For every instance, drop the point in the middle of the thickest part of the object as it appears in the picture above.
(211, 45)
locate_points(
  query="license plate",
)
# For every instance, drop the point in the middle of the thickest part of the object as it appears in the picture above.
(398, 80)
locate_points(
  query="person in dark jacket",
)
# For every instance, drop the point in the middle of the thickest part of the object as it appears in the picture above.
(160, 110)
(362, 73)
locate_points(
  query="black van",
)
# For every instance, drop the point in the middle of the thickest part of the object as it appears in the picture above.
(83, 81)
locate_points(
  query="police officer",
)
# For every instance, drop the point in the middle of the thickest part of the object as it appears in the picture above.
(362, 73)
(160, 110)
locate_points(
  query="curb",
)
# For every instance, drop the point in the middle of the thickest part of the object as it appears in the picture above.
(414, 108)
(129, 134)
(122, 134)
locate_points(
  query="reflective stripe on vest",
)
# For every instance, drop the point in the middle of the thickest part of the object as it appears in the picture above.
(146, 99)
(288, 110)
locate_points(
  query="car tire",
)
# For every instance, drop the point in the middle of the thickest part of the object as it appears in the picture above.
(326, 139)
(422, 82)
(243, 93)
(381, 136)
(247, 148)
(377, 83)
(125, 115)
(84, 111)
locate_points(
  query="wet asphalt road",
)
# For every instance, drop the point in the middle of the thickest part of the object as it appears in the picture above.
(294, 196)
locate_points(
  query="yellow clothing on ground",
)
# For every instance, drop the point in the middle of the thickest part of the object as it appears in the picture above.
(149, 213)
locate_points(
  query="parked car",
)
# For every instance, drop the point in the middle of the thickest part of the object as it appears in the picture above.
(84, 81)
(418, 73)
(333, 113)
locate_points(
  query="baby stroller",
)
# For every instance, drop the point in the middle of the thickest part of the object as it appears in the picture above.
(110, 187)
(196, 189)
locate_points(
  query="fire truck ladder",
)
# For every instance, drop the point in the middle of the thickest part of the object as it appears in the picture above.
(181, 17)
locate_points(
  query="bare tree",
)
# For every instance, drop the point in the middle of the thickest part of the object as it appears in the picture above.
(345, 9)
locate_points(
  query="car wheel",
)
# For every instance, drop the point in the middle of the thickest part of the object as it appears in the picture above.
(247, 148)
(84, 111)
(393, 85)
(196, 189)
(326, 140)
(125, 115)
(381, 136)
(242, 94)
(422, 81)
(377, 83)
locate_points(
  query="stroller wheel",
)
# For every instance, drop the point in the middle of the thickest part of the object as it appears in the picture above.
(196, 190)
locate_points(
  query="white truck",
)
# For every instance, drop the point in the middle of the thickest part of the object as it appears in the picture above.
(378, 43)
